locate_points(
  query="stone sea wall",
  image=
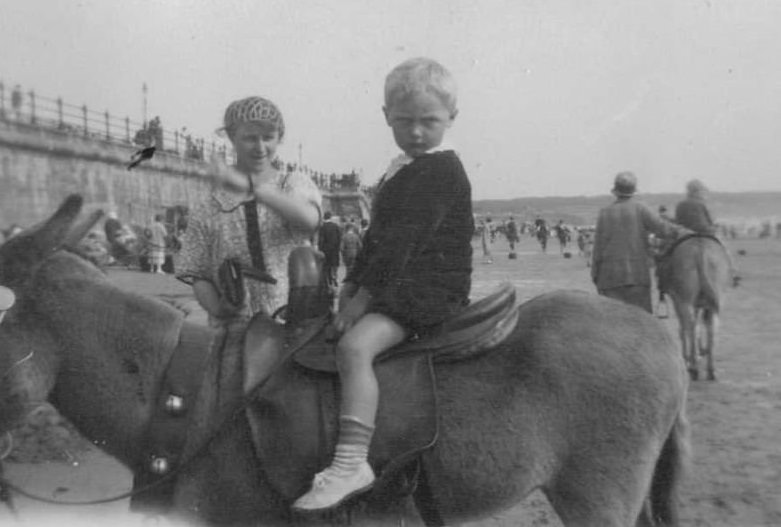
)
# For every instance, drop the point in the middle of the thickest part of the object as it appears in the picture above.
(40, 166)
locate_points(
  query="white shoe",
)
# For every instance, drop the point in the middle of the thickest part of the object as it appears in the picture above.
(332, 487)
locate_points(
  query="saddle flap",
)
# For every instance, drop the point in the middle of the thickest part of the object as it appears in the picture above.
(479, 326)
(484, 309)
(294, 420)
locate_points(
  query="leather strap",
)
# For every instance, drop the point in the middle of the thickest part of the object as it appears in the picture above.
(254, 242)
(678, 241)
(425, 501)
(168, 424)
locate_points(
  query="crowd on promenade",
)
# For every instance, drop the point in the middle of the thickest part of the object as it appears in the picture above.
(25, 106)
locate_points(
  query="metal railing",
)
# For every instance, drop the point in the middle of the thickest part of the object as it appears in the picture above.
(31, 108)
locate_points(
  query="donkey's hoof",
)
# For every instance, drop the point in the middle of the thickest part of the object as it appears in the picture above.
(711, 376)
(694, 374)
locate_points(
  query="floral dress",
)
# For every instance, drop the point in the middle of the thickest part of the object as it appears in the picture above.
(217, 230)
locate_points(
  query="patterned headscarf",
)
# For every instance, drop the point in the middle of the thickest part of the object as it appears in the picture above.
(253, 109)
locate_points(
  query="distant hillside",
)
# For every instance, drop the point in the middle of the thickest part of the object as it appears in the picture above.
(740, 207)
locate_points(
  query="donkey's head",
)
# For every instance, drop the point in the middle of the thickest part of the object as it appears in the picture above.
(20, 255)
(24, 343)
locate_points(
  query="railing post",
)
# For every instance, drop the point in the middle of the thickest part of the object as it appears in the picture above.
(127, 129)
(32, 106)
(60, 122)
(176, 141)
(86, 126)
(108, 134)
(2, 100)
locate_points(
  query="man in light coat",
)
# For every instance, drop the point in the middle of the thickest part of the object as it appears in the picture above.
(621, 263)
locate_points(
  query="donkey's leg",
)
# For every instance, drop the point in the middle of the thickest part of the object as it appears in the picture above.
(711, 320)
(700, 333)
(687, 321)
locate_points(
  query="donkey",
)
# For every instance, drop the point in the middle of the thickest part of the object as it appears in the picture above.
(581, 398)
(697, 274)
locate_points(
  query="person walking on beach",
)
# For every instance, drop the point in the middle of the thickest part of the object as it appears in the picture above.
(329, 241)
(351, 246)
(620, 266)
(157, 243)
(511, 231)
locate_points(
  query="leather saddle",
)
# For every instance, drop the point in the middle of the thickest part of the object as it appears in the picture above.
(678, 241)
(294, 415)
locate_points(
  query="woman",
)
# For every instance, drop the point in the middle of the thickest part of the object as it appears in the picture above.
(157, 243)
(287, 215)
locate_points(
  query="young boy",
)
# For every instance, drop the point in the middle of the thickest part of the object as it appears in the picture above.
(413, 272)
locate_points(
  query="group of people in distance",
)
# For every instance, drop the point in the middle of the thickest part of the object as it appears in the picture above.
(339, 244)
(412, 272)
(619, 258)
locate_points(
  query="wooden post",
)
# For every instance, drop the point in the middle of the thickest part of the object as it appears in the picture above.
(60, 122)
(32, 106)
(86, 125)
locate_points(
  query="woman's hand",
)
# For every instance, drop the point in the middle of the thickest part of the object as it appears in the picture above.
(354, 309)
(269, 194)
(227, 177)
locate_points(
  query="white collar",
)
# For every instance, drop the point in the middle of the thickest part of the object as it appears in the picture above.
(402, 160)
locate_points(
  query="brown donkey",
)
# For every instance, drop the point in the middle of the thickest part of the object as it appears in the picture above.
(583, 400)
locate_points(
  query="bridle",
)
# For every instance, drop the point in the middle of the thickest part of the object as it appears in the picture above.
(6, 486)
(678, 241)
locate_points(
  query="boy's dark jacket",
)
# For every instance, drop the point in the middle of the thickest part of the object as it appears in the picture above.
(417, 256)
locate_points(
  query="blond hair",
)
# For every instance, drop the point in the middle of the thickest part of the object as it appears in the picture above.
(421, 75)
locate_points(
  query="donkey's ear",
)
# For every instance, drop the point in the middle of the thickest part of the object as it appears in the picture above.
(80, 230)
(53, 232)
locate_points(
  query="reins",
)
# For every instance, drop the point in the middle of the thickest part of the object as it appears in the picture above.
(6, 486)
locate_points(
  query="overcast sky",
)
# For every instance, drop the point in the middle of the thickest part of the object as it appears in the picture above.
(555, 96)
